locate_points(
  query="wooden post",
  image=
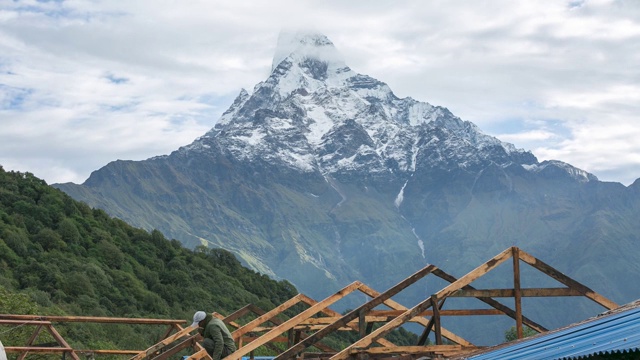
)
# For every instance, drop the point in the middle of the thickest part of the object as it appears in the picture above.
(320, 334)
(290, 338)
(436, 319)
(362, 324)
(30, 342)
(517, 293)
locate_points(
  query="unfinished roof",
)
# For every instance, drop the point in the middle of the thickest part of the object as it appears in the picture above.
(615, 331)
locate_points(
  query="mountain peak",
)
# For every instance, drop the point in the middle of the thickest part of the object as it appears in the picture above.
(305, 45)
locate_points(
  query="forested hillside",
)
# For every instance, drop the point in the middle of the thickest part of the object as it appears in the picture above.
(59, 256)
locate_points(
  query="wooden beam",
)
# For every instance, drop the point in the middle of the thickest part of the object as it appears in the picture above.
(258, 311)
(573, 284)
(531, 292)
(38, 349)
(327, 311)
(92, 319)
(189, 342)
(437, 329)
(150, 351)
(489, 301)
(275, 332)
(56, 335)
(202, 354)
(33, 337)
(414, 349)
(24, 322)
(239, 313)
(385, 315)
(424, 322)
(517, 293)
(383, 330)
(294, 350)
(448, 290)
(264, 318)
(474, 274)
(108, 352)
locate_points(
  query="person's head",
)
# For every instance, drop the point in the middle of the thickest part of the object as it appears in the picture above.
(198, 317)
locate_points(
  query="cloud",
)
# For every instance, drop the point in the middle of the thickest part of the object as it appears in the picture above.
(86, 82)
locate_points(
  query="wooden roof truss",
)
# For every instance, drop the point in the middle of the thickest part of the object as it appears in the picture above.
(308, 327)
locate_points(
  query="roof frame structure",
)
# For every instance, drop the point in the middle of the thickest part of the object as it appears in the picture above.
(266, 328)
(458, 288)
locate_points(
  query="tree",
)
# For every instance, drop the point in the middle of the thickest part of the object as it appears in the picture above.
(512, 334)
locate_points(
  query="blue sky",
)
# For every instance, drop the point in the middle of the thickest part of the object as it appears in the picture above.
(86, 82)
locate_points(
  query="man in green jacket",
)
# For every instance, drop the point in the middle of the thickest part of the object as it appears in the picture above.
(217, 339)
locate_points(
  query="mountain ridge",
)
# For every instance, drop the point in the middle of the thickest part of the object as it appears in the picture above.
(323, 176)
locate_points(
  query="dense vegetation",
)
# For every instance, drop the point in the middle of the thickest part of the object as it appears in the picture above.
(58, 256)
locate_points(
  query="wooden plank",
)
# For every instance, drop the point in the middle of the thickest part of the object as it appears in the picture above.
(38, 349)
(448, 290)
(424, 322)
(385, 315)
(189, 342)
(437, 329)
(150, 351)
(239, 313)
(517, 293)
(92, 319)
(327, 311)
(24, 322)
(258, 311)
(362, 324)
(489, 301)
(108, 352)
(202, 354)
(573, 284)
(474, 274)
(414, 349)
(383, 330)
(33, 337)
(264, 318)
(56, 335)
(531, 292)
(294, 350)
(294, 321)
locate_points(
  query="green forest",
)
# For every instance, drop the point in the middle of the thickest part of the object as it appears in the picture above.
(60, 257)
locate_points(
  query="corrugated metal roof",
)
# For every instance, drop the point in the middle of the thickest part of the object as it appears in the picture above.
(611, 332)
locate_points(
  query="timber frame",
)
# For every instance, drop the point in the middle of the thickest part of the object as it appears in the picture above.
(308, 327)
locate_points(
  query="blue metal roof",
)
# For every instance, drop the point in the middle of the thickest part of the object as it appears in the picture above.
(612, 332)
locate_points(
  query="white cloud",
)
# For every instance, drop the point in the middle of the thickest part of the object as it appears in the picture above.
(86, 82)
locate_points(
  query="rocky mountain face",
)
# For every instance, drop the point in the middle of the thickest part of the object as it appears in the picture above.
(323, 176)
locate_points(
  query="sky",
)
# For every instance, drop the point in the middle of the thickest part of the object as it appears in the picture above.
(86, 82)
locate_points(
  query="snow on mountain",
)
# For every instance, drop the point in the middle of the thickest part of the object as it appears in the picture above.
(315, 114)
(555, 166)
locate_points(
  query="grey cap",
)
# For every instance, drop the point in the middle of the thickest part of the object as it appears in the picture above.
(197, 317)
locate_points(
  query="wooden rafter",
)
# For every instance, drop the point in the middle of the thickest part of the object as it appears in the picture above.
(165, 342)
(461, 287)
(293, 331)
(266, 317)
(355, 327)
(289, 324)
(398, 309)
(572, 284)
(354, 314)
(486, 298)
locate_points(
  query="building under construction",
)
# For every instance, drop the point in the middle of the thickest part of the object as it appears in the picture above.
(301, 334)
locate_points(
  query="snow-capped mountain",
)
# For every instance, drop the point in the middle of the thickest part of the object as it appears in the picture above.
(323, 176)
(315, 114)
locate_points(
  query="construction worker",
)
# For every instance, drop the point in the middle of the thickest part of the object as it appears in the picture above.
(217, 339)
(3, 355)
